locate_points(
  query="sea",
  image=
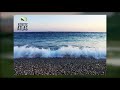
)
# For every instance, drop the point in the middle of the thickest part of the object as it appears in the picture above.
(60, 45)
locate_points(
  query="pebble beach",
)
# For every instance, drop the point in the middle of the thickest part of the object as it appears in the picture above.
(59, 66)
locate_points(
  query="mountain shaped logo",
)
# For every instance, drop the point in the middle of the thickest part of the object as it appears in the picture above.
(23, 19)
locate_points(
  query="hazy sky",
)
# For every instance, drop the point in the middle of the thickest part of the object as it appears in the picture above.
(64, 23)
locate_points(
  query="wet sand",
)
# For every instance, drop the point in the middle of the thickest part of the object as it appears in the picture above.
(59, 66)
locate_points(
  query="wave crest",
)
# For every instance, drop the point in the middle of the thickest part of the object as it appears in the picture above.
(32, 52)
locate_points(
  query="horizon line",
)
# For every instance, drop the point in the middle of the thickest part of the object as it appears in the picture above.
(52, 31)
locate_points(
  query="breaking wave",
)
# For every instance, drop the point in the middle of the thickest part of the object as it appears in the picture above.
(32, 52)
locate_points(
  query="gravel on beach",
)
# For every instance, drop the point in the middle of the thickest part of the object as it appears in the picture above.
(59, 66)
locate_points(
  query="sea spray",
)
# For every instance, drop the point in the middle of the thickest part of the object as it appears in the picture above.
(71, 51)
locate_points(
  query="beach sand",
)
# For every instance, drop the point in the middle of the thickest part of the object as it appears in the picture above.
(59, 66)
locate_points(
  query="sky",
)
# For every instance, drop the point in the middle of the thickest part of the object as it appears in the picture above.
(62, 23)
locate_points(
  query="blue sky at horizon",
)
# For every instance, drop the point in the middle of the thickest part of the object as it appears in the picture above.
(63, 23)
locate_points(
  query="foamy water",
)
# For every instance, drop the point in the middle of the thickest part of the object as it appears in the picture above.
(51, 45)
(30, 52)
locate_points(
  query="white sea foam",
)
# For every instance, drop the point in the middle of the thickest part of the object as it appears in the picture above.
(30, 52)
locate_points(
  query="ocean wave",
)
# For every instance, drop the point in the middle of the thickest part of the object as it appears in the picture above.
(71, 51)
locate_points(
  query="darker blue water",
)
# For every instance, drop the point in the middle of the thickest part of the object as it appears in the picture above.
(55, 44)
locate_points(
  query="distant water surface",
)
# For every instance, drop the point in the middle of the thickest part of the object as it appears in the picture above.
(60, 44)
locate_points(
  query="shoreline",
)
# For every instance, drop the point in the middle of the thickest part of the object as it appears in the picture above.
(60, 58)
